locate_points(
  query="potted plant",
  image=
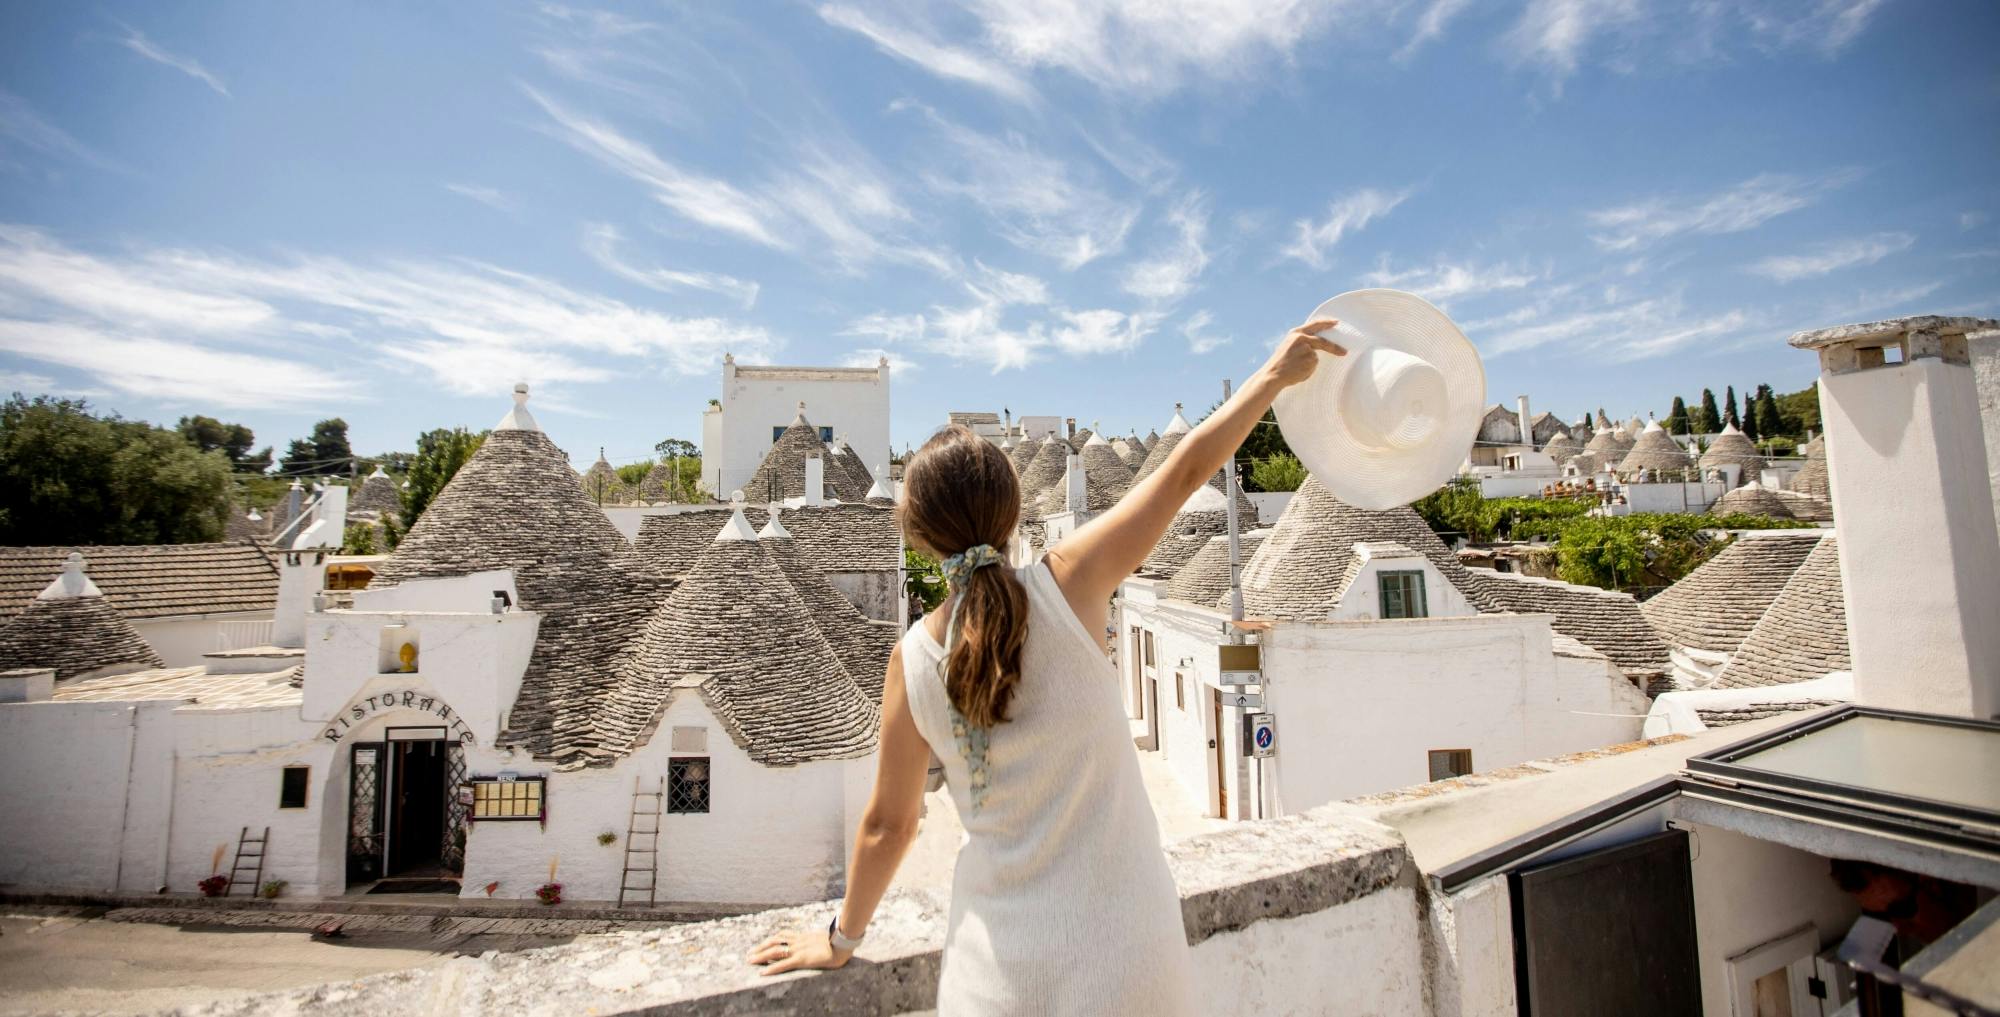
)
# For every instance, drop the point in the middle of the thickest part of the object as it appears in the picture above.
(272, 888)
(214, 886)
(549, 893)
(607, 838)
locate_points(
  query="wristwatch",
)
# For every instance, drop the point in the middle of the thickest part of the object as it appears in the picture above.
(839, 941)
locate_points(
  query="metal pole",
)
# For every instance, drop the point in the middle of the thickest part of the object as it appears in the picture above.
(1235, 548)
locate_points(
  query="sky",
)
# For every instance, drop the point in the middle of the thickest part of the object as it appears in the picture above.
(275, 213)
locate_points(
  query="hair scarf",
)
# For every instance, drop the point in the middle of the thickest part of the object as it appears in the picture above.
(971, 738)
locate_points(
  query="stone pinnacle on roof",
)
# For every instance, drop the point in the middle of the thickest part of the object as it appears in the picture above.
(738, 528)
(70, 627)
(879, 492)
(518, 418)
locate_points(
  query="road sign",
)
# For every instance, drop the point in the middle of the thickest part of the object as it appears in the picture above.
(1244, 700)
(1239, 664)
(1262, 734)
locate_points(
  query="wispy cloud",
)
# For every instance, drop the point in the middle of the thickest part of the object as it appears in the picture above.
(943, 60)
(21, 125)
(1735, 209)
(1431, 24)
(1199, 339)
(1555, 33)
(601, 241)
(1971, 219)
(1827, 26)
(1443, 280)
(1007, 325)
(1037, 201)
(181, 324)
(491, 197)
(1349, 213)
(1172, 273)
(137, 42)
(1102, 330)
(873, 357)
(1609, 325)
(1833, 257)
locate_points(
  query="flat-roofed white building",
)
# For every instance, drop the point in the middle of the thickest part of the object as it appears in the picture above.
(759, 402)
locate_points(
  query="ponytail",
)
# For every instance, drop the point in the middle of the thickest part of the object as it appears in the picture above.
(961, 499)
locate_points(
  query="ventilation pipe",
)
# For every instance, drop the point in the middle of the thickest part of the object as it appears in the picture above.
(1527, 423)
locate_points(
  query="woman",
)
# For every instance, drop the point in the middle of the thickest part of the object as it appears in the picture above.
(1061, 901)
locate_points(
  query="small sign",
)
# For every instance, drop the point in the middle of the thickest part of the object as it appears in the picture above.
(1263, 734)
(508, 776)
(1244, 700)
(1239, 664)
(465, 794)
(364, 757)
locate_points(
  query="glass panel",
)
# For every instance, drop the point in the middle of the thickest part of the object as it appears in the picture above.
(1937, 762)
(687, 785)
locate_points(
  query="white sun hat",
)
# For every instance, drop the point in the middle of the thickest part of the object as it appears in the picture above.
(1392, 420)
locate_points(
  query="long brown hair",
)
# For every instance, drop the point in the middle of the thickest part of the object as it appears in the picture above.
(960, 491)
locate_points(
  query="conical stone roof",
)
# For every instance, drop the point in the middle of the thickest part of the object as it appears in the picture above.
(1203, 515)
(72, 628)
(1204, 578)
(1803, 635)
(1160, 450)
(862, 645)
(737, 633)
(1810, 508)
(1106, 480)
(1151, 439)
(1609, 443)
(517, 505)
(1655, 451)
(1717, 605)
(1604, 620)
(1045, 472)
(1562, 448)
(1130, 452)
(378, 494)
(1732, 448)
(1023, 453)
(658, 480)
(1751, 500)
(1812, 476)
(602, 485)
(1305, 566)
(782, 474)
(847, 477)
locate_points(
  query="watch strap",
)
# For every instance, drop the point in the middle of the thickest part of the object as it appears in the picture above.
(839, 941)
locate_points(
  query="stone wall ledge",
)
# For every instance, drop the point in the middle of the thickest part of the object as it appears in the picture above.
(1229, 880)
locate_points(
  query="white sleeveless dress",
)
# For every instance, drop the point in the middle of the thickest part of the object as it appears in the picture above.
(1061, 902)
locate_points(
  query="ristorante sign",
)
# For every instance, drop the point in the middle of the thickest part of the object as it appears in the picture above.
(362, 710)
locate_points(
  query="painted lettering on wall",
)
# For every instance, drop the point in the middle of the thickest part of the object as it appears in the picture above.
(353, 716)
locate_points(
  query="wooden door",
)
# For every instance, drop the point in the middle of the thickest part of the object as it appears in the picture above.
(1221, 775)
(1610, 932)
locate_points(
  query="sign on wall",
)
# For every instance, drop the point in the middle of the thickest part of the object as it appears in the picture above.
(355, 715)
(1239, 664)
(1260, 735)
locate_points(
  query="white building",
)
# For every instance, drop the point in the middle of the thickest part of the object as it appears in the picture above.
(759, 402)
(1384, 661)
(185, 600)
(513, 686)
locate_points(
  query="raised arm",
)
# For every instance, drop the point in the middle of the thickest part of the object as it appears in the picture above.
(1091, 563)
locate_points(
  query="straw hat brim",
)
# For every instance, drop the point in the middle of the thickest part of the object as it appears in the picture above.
(1355, 471)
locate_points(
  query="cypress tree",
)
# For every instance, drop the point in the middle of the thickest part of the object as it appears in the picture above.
(1729, 407)
(1749, 424)
(1677, 418)
(1770, 423)
(1707, 419)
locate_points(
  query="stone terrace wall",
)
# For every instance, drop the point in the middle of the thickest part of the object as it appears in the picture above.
(1312, 912)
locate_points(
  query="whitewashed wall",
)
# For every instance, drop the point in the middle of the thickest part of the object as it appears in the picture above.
(773, 835)
(1269, 504)
(854, 402)
(1360, 957)
(473, 661)
(86, 799)
(1790, 888)
(181, 641)
(226, 771)
(877, 594)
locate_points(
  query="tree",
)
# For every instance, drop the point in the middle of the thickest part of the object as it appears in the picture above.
(326, 451)
(1749, 425)
(632, 474)
(1770, 423)
(922, 578)
(1677, 418)
(1278, 473)
(440, 453)
(359, 539)
(1707, 419)
(676, 448)
(1642, 550)
(1729, 408)
(209, 435)
(1799, 411)
(68, 476)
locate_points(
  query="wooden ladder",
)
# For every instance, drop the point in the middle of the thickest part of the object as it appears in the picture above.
(246, 861)
(643, 860)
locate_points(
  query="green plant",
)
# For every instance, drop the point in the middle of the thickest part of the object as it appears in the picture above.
(440, 454)
(1279, 472)
(922, 578)
(359, 539)
(68, 476)
(272, 888)
(1639, 550)
(607, 838)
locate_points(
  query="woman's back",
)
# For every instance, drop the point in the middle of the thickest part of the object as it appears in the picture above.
(1062, 858)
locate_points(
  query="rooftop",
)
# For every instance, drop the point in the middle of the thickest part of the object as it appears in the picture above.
(151, 580)
(193, 685)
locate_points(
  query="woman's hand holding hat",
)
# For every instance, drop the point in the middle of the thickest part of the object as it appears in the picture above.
(1298, 354)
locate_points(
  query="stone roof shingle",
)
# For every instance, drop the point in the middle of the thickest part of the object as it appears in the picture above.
(1751, 500)
(834, 538)
(1604, 620)
(1803, 635)
(151, 580)
(863, 652)
(72, 628)
(1716, 606)
(1204, 578)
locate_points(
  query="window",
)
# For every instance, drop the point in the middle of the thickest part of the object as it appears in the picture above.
(1449, 763)
(494, 798)
(1149, 648)
(826, 434)
(687, 784)
(292, 787)
(1403, 594)
(1180, 690)
(777, 431)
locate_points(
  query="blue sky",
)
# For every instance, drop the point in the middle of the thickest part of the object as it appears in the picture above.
(273, 213)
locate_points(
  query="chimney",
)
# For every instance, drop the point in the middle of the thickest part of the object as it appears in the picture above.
(815, 481)
(1919, 557)
(301, 578)
(1069, 424)
(28, 685)
(1073, 496)
(1527, 423)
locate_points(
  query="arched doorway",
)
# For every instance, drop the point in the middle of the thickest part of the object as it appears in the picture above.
(406, 816)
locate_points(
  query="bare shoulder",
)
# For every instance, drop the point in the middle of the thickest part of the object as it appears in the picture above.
(934, 623)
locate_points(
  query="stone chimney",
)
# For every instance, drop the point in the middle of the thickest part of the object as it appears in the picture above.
(1074, 499)
(1527, 422)
(1919, 555)
(815, 481)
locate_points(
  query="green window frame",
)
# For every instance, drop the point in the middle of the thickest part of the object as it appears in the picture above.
(1402, 593)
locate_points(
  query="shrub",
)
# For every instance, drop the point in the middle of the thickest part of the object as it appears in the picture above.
(214, 886)
(549, 893)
